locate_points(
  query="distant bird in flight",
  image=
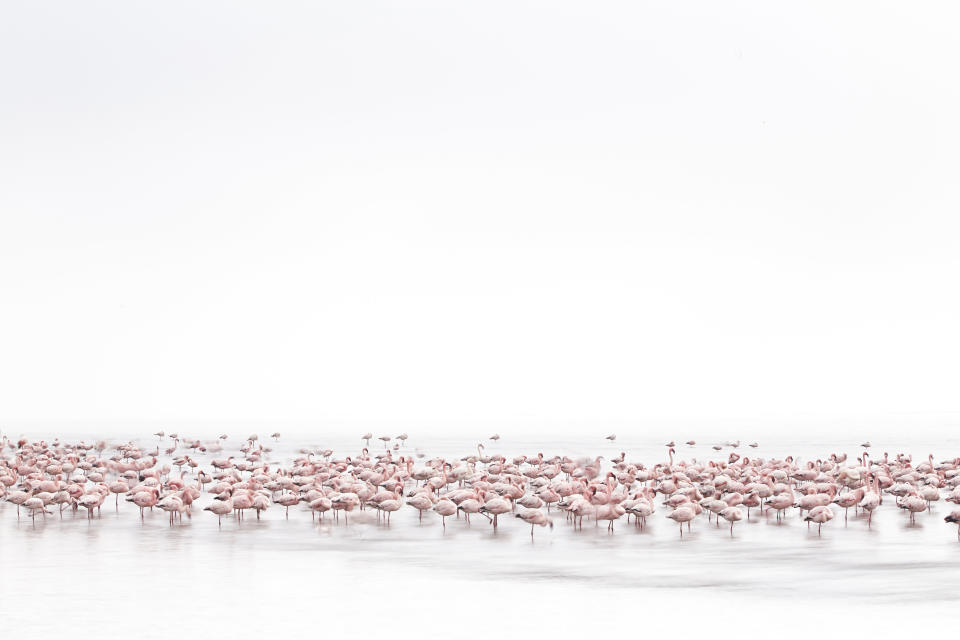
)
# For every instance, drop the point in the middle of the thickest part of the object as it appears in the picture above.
(612, 437)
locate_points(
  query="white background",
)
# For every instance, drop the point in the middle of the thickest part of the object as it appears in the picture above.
(548, 214)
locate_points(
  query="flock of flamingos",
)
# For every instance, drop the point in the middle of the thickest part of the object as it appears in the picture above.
(41, 478)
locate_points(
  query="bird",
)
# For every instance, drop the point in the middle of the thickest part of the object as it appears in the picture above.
(391, 505)
(612, 437)
(780, 502)
(172, 504)
(421, 502)
(954, 518)
(847, 500)
(77, 476)
(34, 505)
(220, 508)
(611, 511)
(471, 505)
(496, 506)
(820, 515)
(534, 517)
(682, 514)
(18, 498)
(445, 507)
(912, 503)
(731, 515)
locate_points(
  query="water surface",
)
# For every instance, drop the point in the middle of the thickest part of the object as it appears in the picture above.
(85, 577)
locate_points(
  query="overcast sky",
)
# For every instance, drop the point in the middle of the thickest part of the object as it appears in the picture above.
(489, 211)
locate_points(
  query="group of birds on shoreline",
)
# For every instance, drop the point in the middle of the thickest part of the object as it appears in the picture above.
(38, 476)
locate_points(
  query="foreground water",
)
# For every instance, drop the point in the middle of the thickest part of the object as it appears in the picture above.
(78, 577)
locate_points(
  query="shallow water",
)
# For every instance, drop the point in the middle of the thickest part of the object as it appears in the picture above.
(81, 577)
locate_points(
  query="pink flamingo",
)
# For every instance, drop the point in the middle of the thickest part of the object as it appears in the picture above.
(819, 514)
(682, 514)
(445, 508)
(220, 508)
(534, 517)
(871, 499)
(731, 515)
(954, 517)
(496, 506)
(421, 502)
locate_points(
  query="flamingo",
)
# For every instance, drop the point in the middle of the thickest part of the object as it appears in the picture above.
(35, 504)
(471, 505)
(173, 504)
(496, 506)
(780, 503)
(682, 514)
(445, 507)
(421, 502)
(731, 515)
(819, 514)
(41, 474)
(913, 504)
(534, 517)
(871, 499)
(392, 504)
(220, 508)
(954, 517)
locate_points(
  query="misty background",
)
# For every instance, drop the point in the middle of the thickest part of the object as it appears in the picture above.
(554, 216)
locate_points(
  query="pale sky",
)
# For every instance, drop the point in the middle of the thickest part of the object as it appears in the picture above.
(489, 211)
